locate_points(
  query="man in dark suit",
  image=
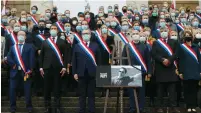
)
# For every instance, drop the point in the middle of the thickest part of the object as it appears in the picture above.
(84, 70)
(165, 67)
(37, 36)
(20, 74)
(53, 63)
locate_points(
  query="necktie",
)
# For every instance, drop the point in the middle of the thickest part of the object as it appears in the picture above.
(20, 48)
(53, 39)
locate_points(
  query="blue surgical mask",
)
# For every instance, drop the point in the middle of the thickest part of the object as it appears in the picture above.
(182, 12)
(48, 14)
(191, 17)
(107, 24)
(162, 24)
(162, 16)
(198, 11)
(113, 24)
(109, 10)
(67, 29)
(53, 33)
(104, 31)
(100, 14)
(135, 11)
(78, 28)
(63, 37)
(124, 27)
(137, 18)
(16, 29)
(164, 34)
(183, 20)
(29, 18)
(172, 14)
(86, 37)
(137, 28)
(195, 24)
(42, 19)
(4, 20)
(23, 20)
(84, 27)
(129, 16)
(24, 28)
(145, 21)
(176, 21)
(67, 15)
(20, 39)
(33, 11)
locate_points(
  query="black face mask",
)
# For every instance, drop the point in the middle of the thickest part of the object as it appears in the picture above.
(124, 10)
(188, 39)
(99, 25)
(41, 28)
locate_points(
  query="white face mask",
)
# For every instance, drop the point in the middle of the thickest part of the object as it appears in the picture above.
(164, 34)
(74, 22)
(48, 25)
(142, 39)
(136, 38)
(198, 36)
(173, 37)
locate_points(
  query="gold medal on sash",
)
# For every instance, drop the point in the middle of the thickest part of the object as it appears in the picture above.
(26, 77)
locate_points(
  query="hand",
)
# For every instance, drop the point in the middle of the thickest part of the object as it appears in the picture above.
(63, 71)
(177, 71)
(14, 66)
(149, 75)
(181, 76)
(39, 52)
(166, 62)
(68, 68)
(42, 72)
(76, 77)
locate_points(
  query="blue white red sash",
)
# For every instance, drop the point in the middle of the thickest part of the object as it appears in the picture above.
(77, 37)
(88, 52)
(41, 37)
(68, 40)
(188, 49)
(34, 20)
(3, 26)
(5, 29)
(19, 58)
(130, 23)
(167, 48)
(13, 38)
(103, 43)
(123, 38)
(138, 55)
(55, 49)
(117, 21)
(198, 16)
(141, 13)
(200, 51)
(181, 27)
(112, 32)
(61, 28)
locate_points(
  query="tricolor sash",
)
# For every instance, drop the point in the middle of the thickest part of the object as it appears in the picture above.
(123, 38)
(19, 58)
(167, 48)
(88, 52)
(198, 16)
(130, 23)
(34, 20)
(13, 38)
(189, 50)
(68, 40)
(112, 32)
(103, 43)
(3, 26)
(138, 55)
(55, 49)
(77, 37)
(180, 27)
(117, 21)
(5, 29)
(200, 51)
(61, 28)
(41, 37)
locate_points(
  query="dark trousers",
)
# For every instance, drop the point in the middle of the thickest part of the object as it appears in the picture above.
(86, 87)
(52, 81)
(18, 81)
(38, 82)
(141, 95)
(170, 90)
(190, 93)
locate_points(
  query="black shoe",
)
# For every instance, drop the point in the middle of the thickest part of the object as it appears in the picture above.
(176, 110)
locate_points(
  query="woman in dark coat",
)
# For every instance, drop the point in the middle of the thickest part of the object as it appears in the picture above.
(189, 60)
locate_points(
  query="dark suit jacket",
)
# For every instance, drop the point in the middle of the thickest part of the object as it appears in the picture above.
(144, 50)
(48, 57)
(81, 62)
(163, 73)
(28, 57)
(187, 64)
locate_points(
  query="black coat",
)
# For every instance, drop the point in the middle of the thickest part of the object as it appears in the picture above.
(163, 73)
(48, 57)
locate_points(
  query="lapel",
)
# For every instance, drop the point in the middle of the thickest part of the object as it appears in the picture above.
(23, 49)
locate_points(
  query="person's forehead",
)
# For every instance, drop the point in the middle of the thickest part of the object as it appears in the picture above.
(123, 23)
(41, 23)
(67, 24)
(54, 27)
(13, 9)
(85, 31)
(84, 22)
(21, 33)
(16, 24)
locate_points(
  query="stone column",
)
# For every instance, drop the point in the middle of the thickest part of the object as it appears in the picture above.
(42, 5)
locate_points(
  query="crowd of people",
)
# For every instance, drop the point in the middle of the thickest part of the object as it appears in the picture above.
(44, 49)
